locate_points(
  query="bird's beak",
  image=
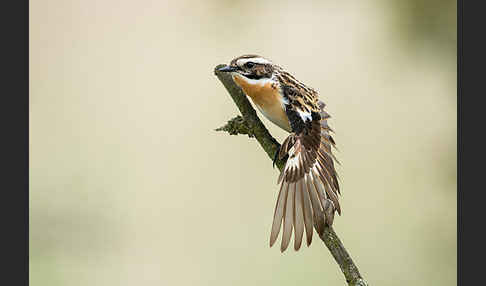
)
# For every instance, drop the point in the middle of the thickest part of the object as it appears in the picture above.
(227, 69)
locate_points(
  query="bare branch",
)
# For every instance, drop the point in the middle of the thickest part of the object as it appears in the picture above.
(251, 125)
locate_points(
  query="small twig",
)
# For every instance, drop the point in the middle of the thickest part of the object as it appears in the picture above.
(251, 125)
(236, 126)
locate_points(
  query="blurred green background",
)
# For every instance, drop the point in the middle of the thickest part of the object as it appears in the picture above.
(131, 185)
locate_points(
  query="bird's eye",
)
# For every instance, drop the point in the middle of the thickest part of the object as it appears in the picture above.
(249, 65)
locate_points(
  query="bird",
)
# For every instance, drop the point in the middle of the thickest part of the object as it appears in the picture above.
(309, 187)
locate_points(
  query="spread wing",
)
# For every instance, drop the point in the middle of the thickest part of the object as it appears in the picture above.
(309, 188)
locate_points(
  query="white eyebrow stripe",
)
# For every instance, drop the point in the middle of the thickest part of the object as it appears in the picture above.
(241, 62)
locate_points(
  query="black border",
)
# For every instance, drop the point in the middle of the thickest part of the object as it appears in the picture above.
(471, 111)
(15, 138)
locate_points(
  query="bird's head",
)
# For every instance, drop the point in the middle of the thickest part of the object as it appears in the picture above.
(251, 68)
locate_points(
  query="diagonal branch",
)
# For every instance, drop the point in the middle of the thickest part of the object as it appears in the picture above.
(251, 125)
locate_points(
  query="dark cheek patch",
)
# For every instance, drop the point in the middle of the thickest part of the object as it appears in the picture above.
(259, 72)
(253, 76)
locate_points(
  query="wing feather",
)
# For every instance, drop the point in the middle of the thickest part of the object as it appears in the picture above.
(279, 211)
(308, 195)
(306, 205)
(317, 209)
(288, 218)
(298, 216)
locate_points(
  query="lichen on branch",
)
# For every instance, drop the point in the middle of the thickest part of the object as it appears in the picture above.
(237, 126)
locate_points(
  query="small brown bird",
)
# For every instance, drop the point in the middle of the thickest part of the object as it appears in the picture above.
(309, 187)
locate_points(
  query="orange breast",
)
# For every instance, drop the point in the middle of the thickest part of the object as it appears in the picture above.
(267, 99)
